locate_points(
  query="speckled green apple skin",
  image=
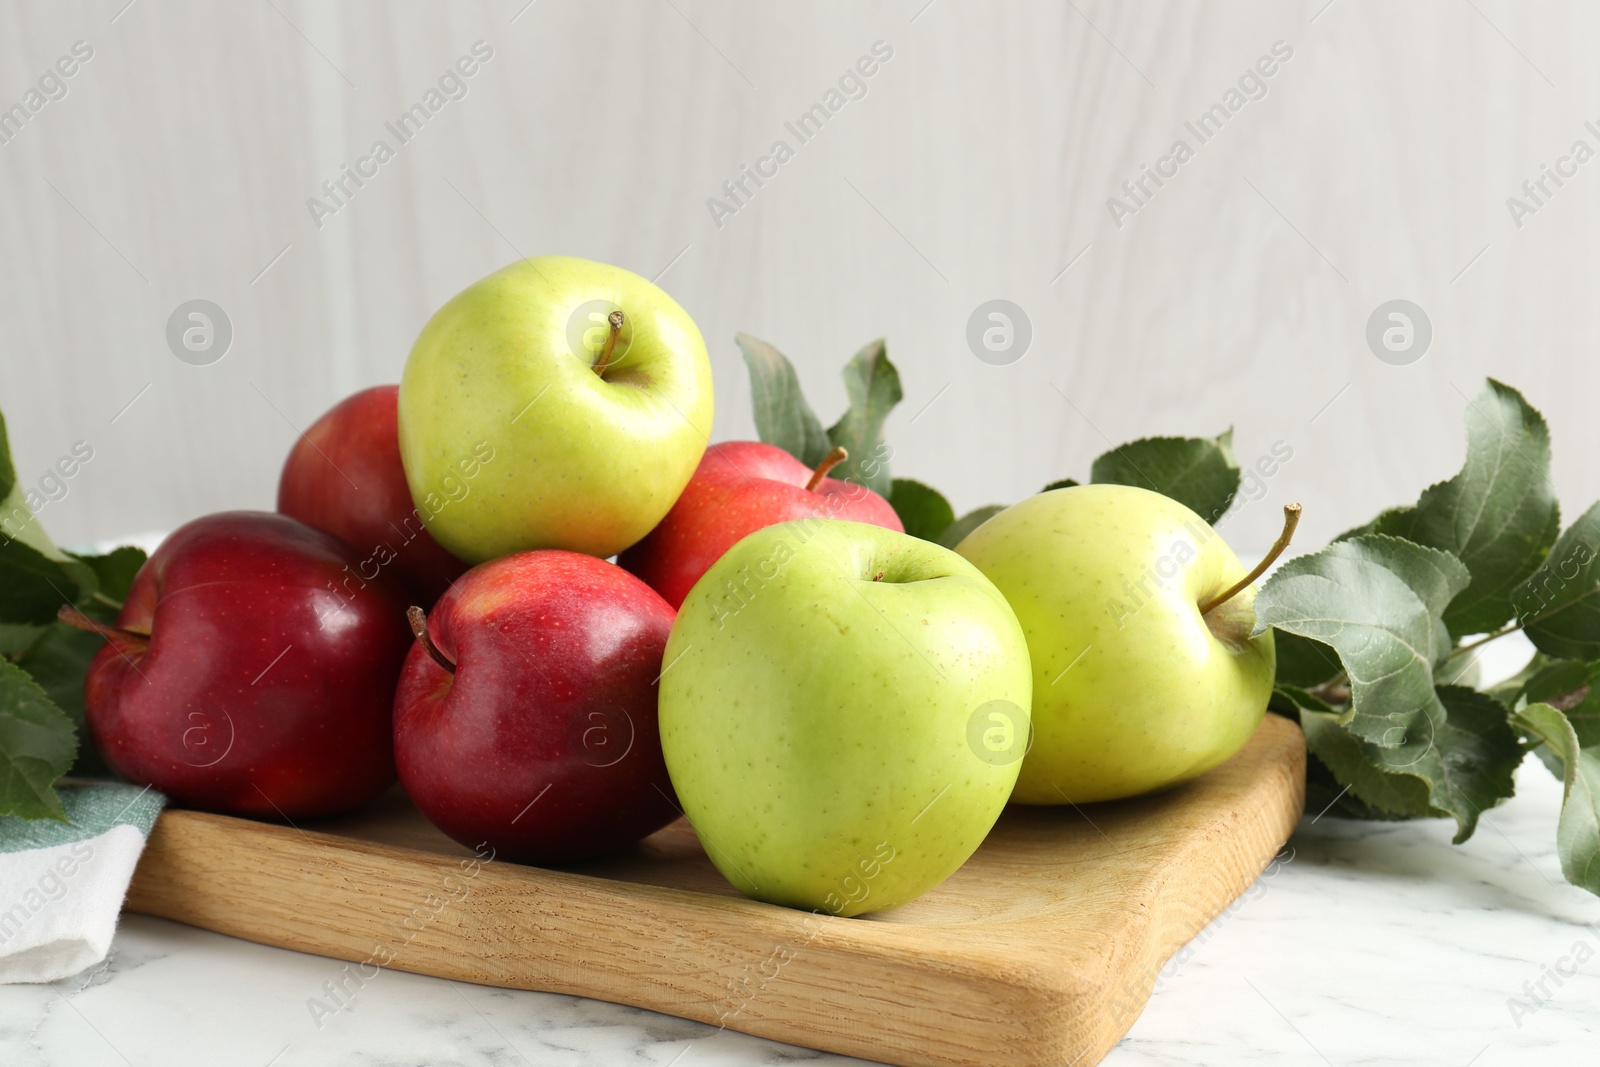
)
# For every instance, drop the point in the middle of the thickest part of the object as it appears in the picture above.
(817, 735)
(580, 462)
(1133, 692)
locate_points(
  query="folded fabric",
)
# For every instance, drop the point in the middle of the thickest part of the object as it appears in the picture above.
(62, 884)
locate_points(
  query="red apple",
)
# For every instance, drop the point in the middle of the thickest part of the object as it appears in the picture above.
(739, 488)
(247, 673)
(344, 476)
(526, 713)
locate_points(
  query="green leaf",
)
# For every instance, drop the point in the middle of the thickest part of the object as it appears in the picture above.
(58, 662)
(1290, 700)
(1470, 762)
(1559, 606)
(8, 471)
(957, 531)
(1578, 832)
(1376, 601)
(1460, 772)
(1327, 745)
(1327, 796)
(1570, 687)
(1198, 472)
(1459, 670)
(1065, 483)
(1296, 699)
(37, 743)
(33, 587)
(783, 417)
(1354, 763)
(1375, 526)
(1556, 678)
(1304, 662)
(874, 389)
(923, 510)
(15, 639)
(1509, 691)
(1498, 515)
(114, 571)
(17, 522)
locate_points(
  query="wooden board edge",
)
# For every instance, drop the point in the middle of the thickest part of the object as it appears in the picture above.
(1268, 817)
(1040, 1011)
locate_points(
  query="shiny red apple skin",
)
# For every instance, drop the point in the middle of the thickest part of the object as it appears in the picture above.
(266, 684)
(544, 742)
(741, 487)
(344, 476)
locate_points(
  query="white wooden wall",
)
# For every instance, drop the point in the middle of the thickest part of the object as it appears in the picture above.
(977, 166)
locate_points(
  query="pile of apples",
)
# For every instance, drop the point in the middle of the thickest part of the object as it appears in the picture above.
(840, 709)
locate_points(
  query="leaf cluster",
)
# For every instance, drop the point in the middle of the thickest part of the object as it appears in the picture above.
(1197, 471)
(43, 661)
(1378, 636)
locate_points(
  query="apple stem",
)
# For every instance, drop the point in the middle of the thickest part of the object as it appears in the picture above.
(419, 627)
(71, 616)
(835, 457)
(614, 320)
(1291, 519)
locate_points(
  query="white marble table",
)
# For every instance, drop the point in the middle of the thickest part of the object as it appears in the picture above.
(1376, 944)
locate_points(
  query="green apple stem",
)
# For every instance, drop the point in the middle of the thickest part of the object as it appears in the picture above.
(835, 457)
(614, 320)
(71, 616)
(419, 627)
(1291, 519)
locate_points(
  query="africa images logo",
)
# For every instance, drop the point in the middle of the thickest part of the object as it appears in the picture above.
(1252, 85)
(339, 190)
(852, 85)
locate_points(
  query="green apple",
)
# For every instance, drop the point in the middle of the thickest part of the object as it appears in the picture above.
(557, 403)
(843, 711)
(1134, 690)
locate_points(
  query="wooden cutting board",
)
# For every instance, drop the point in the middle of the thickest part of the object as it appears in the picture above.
(1041, 950)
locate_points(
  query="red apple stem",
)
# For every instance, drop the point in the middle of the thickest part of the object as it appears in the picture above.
(419, 627)
(71, 616)
(614, 320)
(1291, 519)
(837, 456)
